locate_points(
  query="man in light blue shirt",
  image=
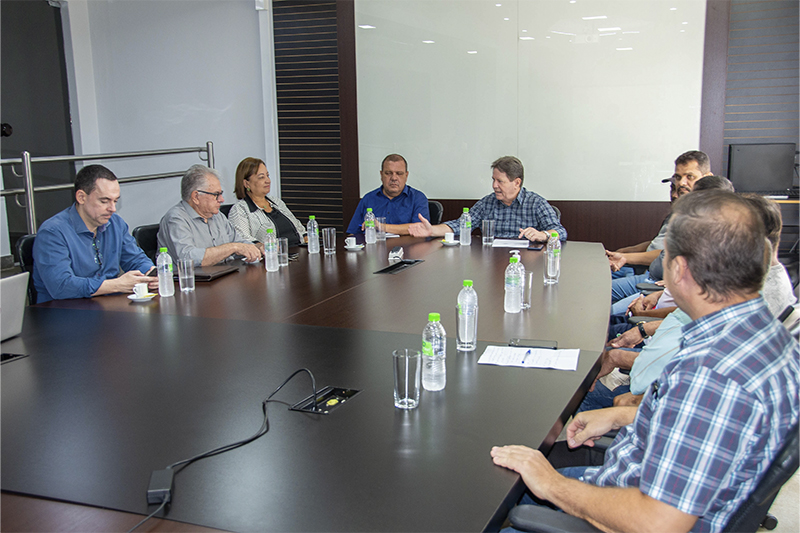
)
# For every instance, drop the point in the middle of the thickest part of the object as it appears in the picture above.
(79, 252)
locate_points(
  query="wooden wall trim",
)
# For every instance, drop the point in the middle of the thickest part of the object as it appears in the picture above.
(348, 108)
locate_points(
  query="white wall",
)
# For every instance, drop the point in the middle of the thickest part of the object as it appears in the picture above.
(156, 74)
(590, 118)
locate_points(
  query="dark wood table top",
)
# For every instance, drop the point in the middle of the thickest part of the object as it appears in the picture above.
(117, 390)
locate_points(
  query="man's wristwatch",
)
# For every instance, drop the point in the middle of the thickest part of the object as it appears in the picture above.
(642, 332)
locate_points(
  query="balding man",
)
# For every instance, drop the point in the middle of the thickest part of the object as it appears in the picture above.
(195, 228)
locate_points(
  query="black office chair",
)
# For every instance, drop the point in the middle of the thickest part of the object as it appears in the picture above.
(436, 210)
(225, 209)
(147, 239)
(25, 254)
(748, 517)
(557, 210)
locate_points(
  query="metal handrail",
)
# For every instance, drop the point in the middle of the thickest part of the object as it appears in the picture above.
(26, 160)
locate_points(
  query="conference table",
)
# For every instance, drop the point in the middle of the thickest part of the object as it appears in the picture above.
(110, 390)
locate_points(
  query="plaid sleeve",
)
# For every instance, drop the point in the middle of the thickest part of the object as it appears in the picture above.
(707, 415)
(547, 219)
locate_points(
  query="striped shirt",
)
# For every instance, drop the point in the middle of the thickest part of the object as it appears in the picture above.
(714, 420)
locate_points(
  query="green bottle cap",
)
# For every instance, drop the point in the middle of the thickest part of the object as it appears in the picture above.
(369, 210)
(466, 210)
(162, 250)
(554, 234)
(311, 217)
(269, 230)
(468, 283)
(513, 259)
(433, 317)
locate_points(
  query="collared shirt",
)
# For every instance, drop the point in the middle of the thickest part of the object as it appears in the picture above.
(69, 261)
(186, 234)
(402, 209)
(658, 351)
(715, 418)
(528, 210)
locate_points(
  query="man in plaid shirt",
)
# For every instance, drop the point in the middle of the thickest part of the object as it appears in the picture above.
(517, 212)
(714, 420)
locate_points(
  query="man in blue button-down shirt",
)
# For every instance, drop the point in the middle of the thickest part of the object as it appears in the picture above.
(395, 200)
(516, 211)
(79, 252)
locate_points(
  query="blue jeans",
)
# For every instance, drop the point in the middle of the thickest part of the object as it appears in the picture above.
(575, 472)
(622, 287)
(601, 397)
(623, 272)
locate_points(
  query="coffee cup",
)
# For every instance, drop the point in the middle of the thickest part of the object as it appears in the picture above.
(350, 242)
(140, 290)
(449, 237)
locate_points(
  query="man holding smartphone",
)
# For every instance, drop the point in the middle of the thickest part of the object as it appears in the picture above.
(79, 252)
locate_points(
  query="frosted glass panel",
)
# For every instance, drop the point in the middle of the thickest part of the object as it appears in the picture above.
(596, 108)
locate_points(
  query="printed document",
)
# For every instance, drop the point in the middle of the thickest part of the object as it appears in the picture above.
(530, 357)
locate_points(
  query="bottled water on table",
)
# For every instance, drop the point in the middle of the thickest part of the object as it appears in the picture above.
(312, 230)
(465, 228)
(552, 267)
(513, 286)
(467, 318)
(271, 251)
(522, 278)
(434, 344)
(370, 234)
(166, 283)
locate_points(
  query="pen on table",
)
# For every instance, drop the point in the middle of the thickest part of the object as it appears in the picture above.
(524, 356)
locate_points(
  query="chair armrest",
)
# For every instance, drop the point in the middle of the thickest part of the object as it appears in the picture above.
(546, 520)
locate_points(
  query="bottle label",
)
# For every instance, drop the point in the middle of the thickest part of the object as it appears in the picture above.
(427, 348)
(469, 224)
(369, 223)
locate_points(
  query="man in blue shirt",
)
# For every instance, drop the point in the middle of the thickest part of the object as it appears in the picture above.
(715, 418)
(79, 252)
(516, 211)
(395, 200)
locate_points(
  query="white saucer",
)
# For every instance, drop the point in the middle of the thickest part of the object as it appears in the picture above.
(355, 248)
(146, 298)
(454, 243)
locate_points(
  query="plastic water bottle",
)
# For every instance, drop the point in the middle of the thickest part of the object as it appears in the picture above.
(271, 251)
(552, 268)
(465, 228)
(522, 278)
(370, 235)
(467, 312)
(166, 283)
(513, 297)
(312, 230)
(434, 344)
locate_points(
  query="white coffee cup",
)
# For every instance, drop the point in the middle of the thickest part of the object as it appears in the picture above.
(449, 237)
(350, 242)
(140, 290)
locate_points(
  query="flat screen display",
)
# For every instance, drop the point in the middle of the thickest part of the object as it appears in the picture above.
(762, 168)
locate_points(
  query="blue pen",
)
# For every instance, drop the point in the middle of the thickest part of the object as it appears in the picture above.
(524, 356)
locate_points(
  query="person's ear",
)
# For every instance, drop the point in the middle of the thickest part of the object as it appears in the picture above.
(81, 196)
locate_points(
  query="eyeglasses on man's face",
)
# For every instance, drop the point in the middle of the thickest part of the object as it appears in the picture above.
(216, 195)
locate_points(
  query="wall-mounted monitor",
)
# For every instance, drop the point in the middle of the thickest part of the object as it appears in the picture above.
(762, 168)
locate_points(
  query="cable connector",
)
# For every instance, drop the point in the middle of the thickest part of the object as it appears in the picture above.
(160, 488)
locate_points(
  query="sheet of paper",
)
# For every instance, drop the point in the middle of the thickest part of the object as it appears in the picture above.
(510, 243)
(530, 357)
(391, 235)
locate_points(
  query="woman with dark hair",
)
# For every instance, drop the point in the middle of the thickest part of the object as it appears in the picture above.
(255, 212)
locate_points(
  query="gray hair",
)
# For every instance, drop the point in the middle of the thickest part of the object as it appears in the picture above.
(511, 167)
(194, 179)
(723, 241)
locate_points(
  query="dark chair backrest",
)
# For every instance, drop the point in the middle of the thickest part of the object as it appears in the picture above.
(25, 254)
(436, 211)
(558, 212)
(751, 513)
(147, 239)
(225, 209)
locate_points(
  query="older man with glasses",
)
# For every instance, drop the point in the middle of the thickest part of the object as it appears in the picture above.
(195, 228)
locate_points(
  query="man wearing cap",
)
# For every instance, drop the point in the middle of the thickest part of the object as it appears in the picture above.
(689, 167)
